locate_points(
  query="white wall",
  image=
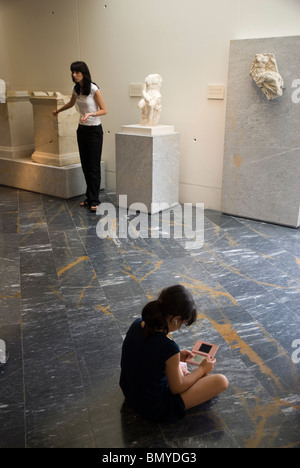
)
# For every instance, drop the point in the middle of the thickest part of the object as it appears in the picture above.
(4, 62)
(123, 41)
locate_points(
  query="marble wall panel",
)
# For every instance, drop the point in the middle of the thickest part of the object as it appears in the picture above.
(261, 176)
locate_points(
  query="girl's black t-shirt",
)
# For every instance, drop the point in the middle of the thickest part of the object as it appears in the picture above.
(143, 374)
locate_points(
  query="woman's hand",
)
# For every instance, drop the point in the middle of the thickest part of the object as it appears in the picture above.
(86, 116)
(69, 104)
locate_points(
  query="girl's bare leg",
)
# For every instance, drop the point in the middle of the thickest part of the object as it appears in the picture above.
(204, 389)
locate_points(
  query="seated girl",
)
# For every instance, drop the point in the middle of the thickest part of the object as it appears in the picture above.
(153, 378)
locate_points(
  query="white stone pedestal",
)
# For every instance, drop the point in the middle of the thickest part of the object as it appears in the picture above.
(55, 137)
(62, 182)
(148, 169)
(16, 126)
(147, 131)
(54, 168)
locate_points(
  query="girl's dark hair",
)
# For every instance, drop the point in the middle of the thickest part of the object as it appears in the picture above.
(87, 80)
(174, 301)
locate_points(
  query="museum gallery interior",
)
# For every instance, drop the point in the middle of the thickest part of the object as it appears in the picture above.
(200, 187)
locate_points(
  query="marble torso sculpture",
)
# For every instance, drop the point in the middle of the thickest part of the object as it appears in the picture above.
(265, 73)
(151, 102)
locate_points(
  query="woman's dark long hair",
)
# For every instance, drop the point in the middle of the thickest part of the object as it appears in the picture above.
(174, 301)
(87, 80)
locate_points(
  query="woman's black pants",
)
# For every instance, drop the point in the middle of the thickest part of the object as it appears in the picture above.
(90, 141)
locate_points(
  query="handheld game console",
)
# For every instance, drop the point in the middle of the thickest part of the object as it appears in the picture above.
(202, 350)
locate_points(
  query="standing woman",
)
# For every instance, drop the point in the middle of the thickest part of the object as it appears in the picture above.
(90, 104)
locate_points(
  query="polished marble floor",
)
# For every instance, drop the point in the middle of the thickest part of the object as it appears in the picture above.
(67, 298)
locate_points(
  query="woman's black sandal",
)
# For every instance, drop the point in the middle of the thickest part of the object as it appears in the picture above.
(93, 208)
(85, 204)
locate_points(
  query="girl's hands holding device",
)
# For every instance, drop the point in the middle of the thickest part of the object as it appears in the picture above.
(207, 365)
(185, 354)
